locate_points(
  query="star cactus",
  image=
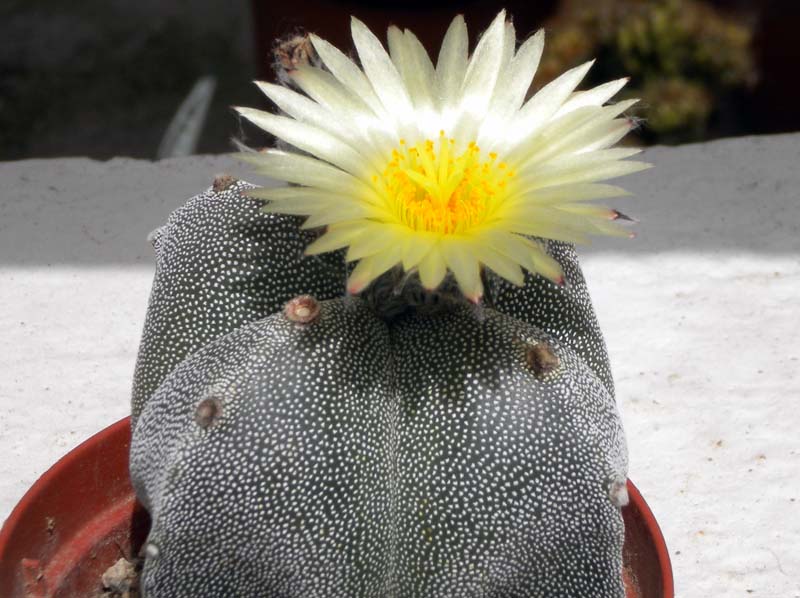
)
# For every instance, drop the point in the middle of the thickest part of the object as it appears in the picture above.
(391, 397)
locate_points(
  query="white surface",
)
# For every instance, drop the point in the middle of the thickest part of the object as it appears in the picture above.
(700, 314)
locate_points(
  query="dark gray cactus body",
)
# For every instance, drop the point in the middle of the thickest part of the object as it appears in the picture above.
(220, 263)
(284, 491)
(350, 456)
(566, 311)
(504, 472)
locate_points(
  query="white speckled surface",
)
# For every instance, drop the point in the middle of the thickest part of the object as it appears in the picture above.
(700, 314)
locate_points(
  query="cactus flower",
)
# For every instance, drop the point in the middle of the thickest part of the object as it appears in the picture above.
(447, 167)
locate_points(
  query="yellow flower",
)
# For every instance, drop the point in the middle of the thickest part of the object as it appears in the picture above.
(447, 167)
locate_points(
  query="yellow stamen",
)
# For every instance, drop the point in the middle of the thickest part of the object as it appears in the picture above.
(431, 189)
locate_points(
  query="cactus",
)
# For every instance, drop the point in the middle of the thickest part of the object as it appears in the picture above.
(431, 455)
(444, 427)
(565, 313)
(221, 263)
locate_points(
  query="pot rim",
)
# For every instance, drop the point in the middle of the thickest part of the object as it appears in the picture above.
(49, 477)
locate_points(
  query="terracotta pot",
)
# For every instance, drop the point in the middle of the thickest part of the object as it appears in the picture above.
(81, 516)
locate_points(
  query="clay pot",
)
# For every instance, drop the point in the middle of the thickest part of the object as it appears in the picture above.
(81, 516)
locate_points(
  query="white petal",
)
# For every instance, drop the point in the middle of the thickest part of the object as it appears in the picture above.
(305, 170)
(502, 265)
(369, 268)
(511, 90)
(531, 224)
(396, 44)
(297, 193)
(464, 265)
(323, 206)
(597, 96)
(306, 207)
(310, 139)
(347, 73)
(563, 161)
(480, 80)
(525, 252)
(528, 56)
(421, 81)
(377, 238)
(614, 110)
(550, 140)
(334, 194)
(567, 193)
(305, 110)
(452, 63)
(415, 248)
(509, 44)
(310, 201)
(545, 265)
(571, 133)
(328, 91)
(330, 216)
(432, 268)
(381, 72)
(583, 168)
(512, 246)
(338, 235)
(311, 207)
(552, 223)
(418, 74)
(593, 211)
(540, 108)
(381, 131)
(611, 228)
(604, 135)
(484, 66)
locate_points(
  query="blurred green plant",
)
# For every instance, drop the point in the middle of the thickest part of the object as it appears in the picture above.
(685, 58)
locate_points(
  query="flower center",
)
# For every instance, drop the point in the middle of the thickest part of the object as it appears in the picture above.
(430, 188)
